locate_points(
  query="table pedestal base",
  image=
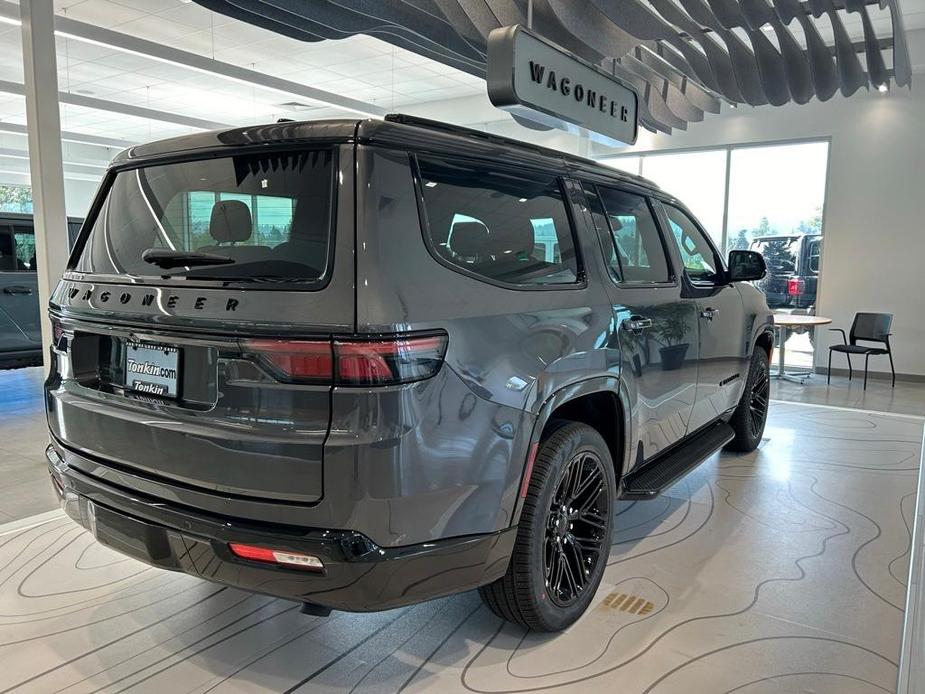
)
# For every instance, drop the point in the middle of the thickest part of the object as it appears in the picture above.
(782, 374)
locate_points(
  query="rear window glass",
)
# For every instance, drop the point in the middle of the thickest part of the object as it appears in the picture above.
(506, 227)
(267, 217)
(780, 254)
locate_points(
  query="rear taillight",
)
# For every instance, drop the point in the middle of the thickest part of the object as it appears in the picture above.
(297, 360)
(795, 287)
(276, 556)
(353, 361)
(387, 361)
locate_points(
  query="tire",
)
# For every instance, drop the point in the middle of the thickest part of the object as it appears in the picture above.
(751, 414)
(570, 455)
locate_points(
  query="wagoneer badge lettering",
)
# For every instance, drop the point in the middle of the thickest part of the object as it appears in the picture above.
(534, 78)
(173, 301)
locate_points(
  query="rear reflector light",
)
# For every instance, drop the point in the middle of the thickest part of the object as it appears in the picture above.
(276, 556)
(353, 362)
(528, 470)
(795, 287)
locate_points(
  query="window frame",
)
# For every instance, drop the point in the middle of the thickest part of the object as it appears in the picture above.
(581, 280)
(665, 223)
(672, 280)
(105, 187)
(7, 230)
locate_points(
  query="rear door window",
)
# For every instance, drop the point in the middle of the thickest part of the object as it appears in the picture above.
(510, 228)
(24, 242)
(270, 214)
(637, 252)
(17, 249)
(815, 252)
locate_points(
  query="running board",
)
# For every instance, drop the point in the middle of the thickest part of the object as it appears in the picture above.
(660, 473)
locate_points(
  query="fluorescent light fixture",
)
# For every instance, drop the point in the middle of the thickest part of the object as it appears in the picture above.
(202, 71)
(8, 15)
(522, 200)
(430, 184)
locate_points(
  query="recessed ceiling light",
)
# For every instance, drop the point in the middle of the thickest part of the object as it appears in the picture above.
(883, 88)
(297, 106)
(430, 184)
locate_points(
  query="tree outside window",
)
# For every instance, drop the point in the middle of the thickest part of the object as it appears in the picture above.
(16, 199)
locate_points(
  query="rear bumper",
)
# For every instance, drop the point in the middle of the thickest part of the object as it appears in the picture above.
(358, 575)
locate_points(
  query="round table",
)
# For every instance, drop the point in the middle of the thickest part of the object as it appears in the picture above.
(783, 323)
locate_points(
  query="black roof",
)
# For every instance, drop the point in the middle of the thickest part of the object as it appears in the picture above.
(395, 130)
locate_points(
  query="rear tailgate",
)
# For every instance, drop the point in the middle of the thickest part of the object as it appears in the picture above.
(158, 379)
(229, 425)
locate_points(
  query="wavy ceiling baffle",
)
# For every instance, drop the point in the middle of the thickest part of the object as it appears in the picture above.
(683, 56)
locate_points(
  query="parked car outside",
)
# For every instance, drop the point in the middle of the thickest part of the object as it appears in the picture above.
(20, 328)
(362, 364)
(793, 271)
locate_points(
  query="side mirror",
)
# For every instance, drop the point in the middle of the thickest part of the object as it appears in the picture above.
(746, 266)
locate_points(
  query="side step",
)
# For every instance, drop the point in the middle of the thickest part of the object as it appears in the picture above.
(660, 473)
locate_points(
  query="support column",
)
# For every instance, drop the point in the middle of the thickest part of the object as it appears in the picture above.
(43, 119)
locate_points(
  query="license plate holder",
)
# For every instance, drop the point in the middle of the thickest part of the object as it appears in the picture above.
(152, 369)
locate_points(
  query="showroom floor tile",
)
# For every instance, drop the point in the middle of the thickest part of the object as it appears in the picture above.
(779, 571)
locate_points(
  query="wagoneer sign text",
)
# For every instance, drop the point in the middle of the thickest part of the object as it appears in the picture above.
(527, 71)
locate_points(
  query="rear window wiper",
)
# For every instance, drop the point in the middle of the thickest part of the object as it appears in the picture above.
(165, 258)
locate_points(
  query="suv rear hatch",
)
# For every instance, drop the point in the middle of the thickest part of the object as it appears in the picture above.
(175, 323)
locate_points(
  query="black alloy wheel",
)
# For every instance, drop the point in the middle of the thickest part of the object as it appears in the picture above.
(751, 414)
(563, 533)
(576, 528)
(758, 402)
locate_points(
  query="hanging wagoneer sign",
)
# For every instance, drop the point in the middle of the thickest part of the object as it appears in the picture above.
(525, 70)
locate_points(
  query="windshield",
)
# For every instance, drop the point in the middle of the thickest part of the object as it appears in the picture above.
(266, 216)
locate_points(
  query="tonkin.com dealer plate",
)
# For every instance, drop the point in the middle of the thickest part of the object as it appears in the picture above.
(152, 369)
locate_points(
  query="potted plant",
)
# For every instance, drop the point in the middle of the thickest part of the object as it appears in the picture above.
(670, 327)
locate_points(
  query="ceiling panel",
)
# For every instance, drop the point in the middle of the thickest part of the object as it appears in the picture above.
(360, 67)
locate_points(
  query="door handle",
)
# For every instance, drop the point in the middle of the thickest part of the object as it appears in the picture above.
(709, 313)
(17, 289)
(636, 323)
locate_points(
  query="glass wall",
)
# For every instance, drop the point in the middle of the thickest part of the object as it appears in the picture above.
(698, 179)
(775, 190)
(767, 198)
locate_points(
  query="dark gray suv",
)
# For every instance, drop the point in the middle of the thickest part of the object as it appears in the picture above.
(366, 364)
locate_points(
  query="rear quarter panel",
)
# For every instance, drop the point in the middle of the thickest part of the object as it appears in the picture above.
(511, 349)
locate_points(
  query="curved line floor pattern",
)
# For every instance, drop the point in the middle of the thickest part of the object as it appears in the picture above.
(779, 571)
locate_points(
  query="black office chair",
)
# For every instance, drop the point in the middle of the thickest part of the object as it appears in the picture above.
(867, 327)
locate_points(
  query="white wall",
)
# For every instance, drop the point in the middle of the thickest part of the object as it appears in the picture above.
(874, 256)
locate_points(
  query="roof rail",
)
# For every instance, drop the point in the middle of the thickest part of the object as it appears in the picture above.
(449, 128)
(405, 119)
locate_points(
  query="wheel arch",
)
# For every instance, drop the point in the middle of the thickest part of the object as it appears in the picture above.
(592, 402)
(765, 340)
